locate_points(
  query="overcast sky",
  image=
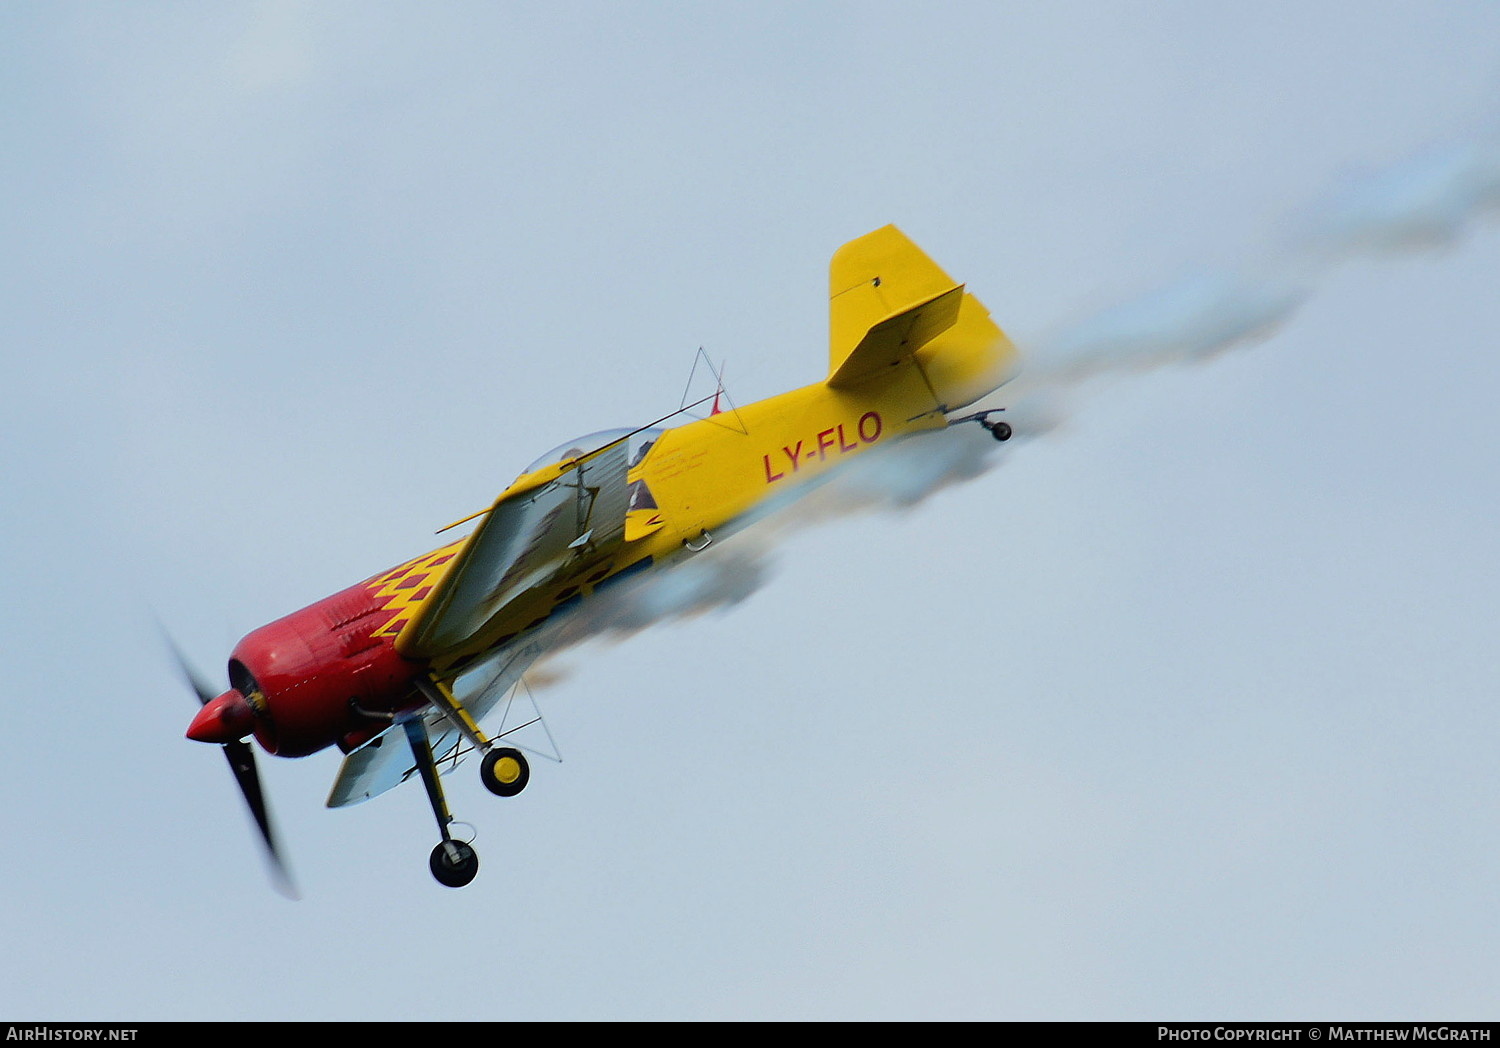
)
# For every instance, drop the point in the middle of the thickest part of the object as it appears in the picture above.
(1185, 709)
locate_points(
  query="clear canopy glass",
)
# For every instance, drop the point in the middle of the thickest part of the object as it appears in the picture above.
(640, 443)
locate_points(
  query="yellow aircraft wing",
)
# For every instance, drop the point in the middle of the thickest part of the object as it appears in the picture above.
(550, 523)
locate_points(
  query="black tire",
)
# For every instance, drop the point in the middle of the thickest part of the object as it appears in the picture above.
(451, 872)
(1000, 431)
(504, 772)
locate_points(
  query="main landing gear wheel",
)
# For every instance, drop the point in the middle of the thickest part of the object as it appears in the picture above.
(504, 772)
(453, 863)
(999, 430)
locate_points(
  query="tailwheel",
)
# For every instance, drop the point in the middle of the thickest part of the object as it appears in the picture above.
(504, 772)
(453, 863)
(999, 430)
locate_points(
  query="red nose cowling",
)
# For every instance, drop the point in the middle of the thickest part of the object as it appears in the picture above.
(312, 677)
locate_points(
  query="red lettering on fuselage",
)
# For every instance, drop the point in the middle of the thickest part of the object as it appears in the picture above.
(834, 439)
(825, 441)
(794, 454)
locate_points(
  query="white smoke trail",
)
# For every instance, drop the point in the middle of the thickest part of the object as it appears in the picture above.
(1427, 201)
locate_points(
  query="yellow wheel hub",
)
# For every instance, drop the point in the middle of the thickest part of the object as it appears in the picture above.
(507, 770)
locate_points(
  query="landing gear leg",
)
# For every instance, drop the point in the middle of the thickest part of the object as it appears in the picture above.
(441, 697)
(504, 770)
(453, 863)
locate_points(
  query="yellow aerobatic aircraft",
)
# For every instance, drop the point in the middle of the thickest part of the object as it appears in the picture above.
(908, 348)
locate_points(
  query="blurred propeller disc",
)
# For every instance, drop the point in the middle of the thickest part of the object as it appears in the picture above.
(229, 717)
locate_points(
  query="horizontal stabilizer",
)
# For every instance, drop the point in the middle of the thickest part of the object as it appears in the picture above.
(898, 336)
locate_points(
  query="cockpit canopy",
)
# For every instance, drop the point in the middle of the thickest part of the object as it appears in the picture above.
(640, 443)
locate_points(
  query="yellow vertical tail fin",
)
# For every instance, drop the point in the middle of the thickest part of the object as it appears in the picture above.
(889, 302)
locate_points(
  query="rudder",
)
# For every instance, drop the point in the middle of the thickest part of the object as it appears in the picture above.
(888, 301)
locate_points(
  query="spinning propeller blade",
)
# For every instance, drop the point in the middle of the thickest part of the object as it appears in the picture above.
(242, 762)
(201, 687)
